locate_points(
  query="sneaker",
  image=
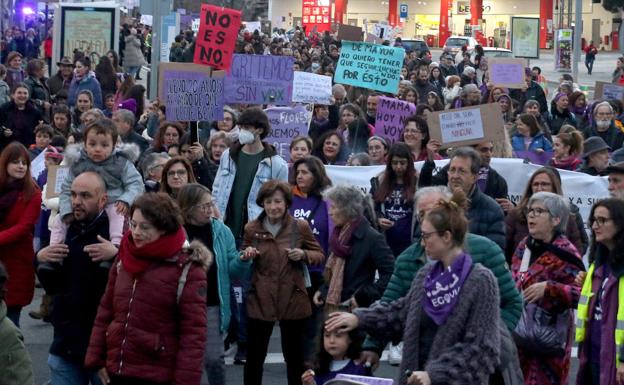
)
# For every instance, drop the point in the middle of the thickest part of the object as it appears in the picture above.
(241, 355)
(395, 354)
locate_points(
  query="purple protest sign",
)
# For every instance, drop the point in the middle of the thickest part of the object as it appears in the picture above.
(192, 96)
(260, 79)
(507, 72)
(541, 158)
(287, 123)
(391, 116)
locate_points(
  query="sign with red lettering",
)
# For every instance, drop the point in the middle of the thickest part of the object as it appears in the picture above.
(218, 29)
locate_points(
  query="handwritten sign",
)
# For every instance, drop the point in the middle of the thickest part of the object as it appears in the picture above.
(507, 72)
(365, 379)
(391, 116)
(38, 164)
(372, 66)
(191, 92)
(467, 126)
(287, 123)
(349, 32)
(218, 30)
(608, 91)
(56, 177)
(260, 79)
(311, 88)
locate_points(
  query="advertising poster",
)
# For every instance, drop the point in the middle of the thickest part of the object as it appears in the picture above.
(525, 37)
(88, 30)
(563, 50)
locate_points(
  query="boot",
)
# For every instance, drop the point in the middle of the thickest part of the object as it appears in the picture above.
(45, 308)
(241, 354)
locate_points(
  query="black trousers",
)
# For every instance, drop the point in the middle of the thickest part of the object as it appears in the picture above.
(122, 380)
(259, 333)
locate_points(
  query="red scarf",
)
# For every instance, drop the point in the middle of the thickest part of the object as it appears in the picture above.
(136, 260)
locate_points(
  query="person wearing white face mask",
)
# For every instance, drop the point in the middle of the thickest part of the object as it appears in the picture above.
(604, 127)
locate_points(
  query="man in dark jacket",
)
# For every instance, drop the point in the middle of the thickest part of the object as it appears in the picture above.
(533, 91)
(62, 79)
(423, 86)
(603, 126)
(78, 283)
(124, 121)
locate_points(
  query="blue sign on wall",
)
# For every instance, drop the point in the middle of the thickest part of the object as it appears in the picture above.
(403, 11)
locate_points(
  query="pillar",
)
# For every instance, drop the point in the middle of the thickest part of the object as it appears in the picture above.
(340, 10)
(546, 13)
(476, 12)
(393, 9)
(444, 31)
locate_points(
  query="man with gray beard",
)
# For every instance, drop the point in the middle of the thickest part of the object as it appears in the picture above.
(604, 127)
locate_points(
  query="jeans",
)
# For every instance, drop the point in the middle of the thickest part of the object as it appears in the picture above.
(258, 343)
(65, 372)
(133, 70)
(214, 361)
(589, 64)
(13, 313)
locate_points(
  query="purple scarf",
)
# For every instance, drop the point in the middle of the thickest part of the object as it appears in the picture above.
(442, 287)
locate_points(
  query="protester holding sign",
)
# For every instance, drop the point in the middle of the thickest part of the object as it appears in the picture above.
(215, 41)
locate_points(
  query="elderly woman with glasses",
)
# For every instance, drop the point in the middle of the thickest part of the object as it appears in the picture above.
(544, 267)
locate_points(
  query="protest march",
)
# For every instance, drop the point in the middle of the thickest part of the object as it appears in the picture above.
(454, 216)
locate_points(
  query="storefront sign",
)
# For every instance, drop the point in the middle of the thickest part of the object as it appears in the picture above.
(391, 116)
(372, 66)
(316, 14)
(217, 34)
(260, 79)
(467, 126)
(525, 37)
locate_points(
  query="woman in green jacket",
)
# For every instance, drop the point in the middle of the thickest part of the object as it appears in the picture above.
(197, 209)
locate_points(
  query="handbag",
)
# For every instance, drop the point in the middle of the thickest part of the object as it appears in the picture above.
(540, 331)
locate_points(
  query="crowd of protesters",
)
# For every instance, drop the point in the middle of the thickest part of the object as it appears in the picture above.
(443, 267)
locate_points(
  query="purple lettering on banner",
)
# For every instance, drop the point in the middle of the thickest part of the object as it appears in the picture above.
(192, 96)
(287, 123)
(260, 79)
(391, 116)
(541, 158)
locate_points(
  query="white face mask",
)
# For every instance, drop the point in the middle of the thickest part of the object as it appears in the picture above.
(246, 137)
(603, 123)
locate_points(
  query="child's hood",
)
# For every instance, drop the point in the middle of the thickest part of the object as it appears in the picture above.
(74, 152)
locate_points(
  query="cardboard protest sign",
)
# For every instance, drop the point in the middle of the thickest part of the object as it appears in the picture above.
(287, 123)
(311, 88)
(56, 177)
(218, 30)
(507, 72)
(391, 116)
(608, 91)
(370, 38)
(372, 66)
(466, 126)
(349, 32)
(191, 91)
(260, 79)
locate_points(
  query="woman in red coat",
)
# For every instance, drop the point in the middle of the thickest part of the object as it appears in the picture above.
(151, 324)
(20, 204)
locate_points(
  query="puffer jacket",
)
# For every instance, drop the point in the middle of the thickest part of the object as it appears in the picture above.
(272, 166)
(133, 57)
(278, 289)
(88, 82)
(158, 338)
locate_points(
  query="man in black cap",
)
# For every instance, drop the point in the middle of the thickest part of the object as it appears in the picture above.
(62, 79)
(595, 156)
(616, 180)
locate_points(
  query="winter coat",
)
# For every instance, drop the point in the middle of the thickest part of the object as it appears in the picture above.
(16, 248)
(5, 93)
(465, 349)
(369, 254)
(15, 363)
(24, 127)
(89, 82)
(555, 120)
(450, 94)
(272, 166)
(15, 77)
(483, 251)
(133, 56)
(537, 142)
(134, 138)
(38, 91)
(278, 288)
(612, 136)
(561, 293)
(123, 181)
(533, 92)
(205, 172)
(159, 338)
(57, 83)
(175, 52)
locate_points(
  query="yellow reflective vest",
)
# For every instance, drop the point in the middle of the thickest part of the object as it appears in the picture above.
(582, 315)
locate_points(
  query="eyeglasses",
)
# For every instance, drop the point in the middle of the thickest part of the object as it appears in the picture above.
(535, 211)
(178, 173)
(600, 221)
(426, 236)
(206, 207)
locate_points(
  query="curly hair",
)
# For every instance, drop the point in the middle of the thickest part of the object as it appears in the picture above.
(160, 209)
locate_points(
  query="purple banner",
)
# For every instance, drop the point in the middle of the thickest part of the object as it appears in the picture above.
(260, 79)
(287, 123)
(192, 96)
(391, 116)
(541, 158)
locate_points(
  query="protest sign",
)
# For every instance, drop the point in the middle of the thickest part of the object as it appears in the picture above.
(605, 91)
(287, 123)
(507, 72)
(466, 126)
(311, 88)
(260, 79)
(191, 91)
(251, 26)
(218, 30)
(372, 66)
(391, 116)
(56, 177)
(370, 38)
(38, 164)
(349, 32)
(366, 380)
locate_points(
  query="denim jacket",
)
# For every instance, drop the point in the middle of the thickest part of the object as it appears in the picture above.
(271, 167)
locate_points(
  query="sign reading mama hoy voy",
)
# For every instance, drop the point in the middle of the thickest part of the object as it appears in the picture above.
(372, 66)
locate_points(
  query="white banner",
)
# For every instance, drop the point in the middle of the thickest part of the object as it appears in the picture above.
(581, 189)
